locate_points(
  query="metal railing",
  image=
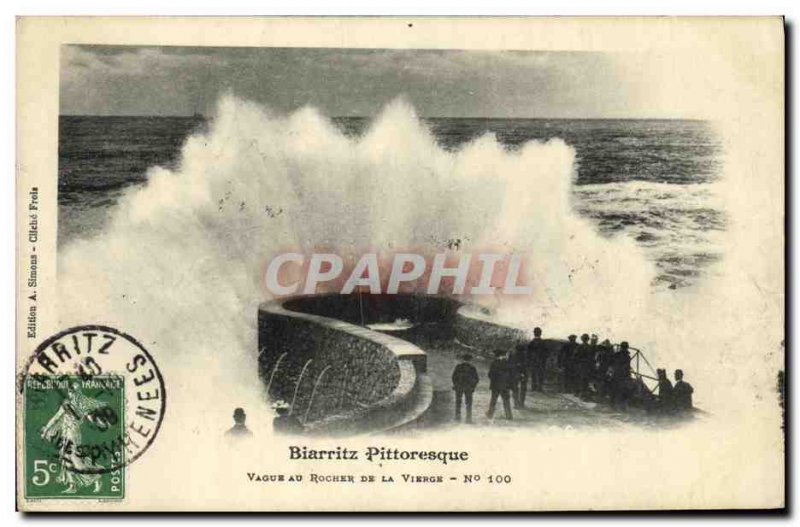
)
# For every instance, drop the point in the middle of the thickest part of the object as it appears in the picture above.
(640, 357)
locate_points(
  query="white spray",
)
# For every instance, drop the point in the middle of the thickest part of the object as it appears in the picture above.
(180, 263)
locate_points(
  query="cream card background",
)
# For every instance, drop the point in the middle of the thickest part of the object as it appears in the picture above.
(726, 70)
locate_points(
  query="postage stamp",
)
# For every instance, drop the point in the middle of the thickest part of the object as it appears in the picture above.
(94, 400)
(74, 436)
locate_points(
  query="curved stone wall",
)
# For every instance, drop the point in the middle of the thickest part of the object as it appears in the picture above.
(371, 309)
(473, 330)
(349, 379)
(342, 378)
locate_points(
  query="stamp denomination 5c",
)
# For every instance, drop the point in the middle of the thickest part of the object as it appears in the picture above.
(94, 400)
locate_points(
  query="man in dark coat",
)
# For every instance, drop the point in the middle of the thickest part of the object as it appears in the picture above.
(605, 360)
(537, 360)
(620, 379)
(595, 347)
(584, 359)
(501, 379)
(465, 379)
(682, 393)
(566, 362)
(519, 370)
(239, 428)
(666, 402)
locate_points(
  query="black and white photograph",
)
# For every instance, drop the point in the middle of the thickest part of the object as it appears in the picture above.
(414, 275)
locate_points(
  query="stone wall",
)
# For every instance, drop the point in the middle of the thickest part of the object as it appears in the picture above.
(347, 378)
(369, 309)
(484, 336)
(350, 379)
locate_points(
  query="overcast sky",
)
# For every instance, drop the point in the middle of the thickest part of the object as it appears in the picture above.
(126, 80)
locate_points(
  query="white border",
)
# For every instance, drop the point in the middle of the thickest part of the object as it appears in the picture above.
(11, 8)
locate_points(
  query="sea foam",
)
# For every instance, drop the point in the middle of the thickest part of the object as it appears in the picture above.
(180, 262)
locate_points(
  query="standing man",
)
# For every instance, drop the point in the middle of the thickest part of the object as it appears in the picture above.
(666, 402)
(621, 376)
(465, 379)
(682, 393)
(581, 364)
(566, 362)
(500, 383)
(605, 359)
(584, 359)
(239, 427)
(519, 371)
(537, 360)
(595, 347)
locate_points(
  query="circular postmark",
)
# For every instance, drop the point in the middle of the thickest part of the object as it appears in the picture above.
(94, 400)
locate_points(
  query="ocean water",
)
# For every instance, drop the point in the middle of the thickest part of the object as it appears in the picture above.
(178, 217)
(648, 180)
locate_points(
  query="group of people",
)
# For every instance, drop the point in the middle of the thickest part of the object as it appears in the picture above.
(590, 369)
(674, 399)
(283, 423)
(593, 370)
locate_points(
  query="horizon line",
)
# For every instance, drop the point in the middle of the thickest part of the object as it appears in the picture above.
(185, 116)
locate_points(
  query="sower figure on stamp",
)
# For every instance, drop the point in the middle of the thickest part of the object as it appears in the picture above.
(500, 383)
(537, 360)
(465, 379)
(64, 430)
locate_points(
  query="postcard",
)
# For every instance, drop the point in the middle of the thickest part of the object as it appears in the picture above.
(400, 264)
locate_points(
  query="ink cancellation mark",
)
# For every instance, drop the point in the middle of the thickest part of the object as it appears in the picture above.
(72, 432)
(94, 401)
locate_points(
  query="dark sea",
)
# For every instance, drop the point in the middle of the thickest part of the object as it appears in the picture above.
(651, 180)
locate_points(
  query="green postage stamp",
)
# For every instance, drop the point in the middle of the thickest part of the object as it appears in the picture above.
(74, 442)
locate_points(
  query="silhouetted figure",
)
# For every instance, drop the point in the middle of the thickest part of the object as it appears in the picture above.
(665, 396)
(621, 376)
(537, 360)
(604, 359)
(465, 379)
(584, 361)
(519, 370)
(239, 428)
(286, 423)
(595, 347)
(682, 393)
(500, 383)
(566, 362)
